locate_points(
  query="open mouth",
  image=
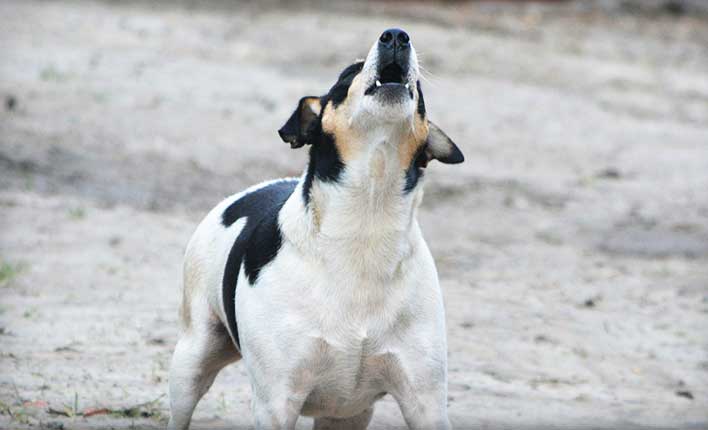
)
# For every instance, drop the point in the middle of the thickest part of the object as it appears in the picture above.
(390, 78)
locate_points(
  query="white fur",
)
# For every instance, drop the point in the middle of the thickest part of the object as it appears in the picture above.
(350, 309)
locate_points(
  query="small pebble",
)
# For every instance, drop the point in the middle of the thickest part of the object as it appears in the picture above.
(686, 394)
(609, 173)
(10, 103)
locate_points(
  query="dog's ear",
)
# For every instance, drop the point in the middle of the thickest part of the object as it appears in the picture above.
(295, 129)
(440, 147)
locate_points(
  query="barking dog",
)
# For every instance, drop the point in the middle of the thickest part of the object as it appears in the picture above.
(323, 284)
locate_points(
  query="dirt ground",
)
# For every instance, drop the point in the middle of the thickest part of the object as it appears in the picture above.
(572, 245)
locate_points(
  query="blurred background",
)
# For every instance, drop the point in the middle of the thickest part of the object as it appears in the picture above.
(572, 245)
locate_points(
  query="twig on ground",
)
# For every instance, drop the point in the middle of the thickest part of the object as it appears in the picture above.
(141, 410)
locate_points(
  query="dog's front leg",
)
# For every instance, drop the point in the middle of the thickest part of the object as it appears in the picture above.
(425, 410)
(421, 392)
(276, 407)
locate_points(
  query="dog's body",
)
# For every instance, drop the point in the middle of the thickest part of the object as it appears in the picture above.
(324, 284)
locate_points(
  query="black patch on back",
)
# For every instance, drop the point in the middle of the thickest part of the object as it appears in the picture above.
(257, 244)
(416, 169)
(421, 101)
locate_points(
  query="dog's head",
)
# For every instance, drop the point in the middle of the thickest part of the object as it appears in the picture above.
(371, 101)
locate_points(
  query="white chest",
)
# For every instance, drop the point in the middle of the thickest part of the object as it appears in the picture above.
(339, 337)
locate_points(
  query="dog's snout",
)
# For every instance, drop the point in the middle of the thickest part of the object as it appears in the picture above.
(391, 58)
(394, 38)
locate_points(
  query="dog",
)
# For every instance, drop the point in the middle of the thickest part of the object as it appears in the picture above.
(324, 284)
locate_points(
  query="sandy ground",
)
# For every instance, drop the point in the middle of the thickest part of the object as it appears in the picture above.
(572, 245)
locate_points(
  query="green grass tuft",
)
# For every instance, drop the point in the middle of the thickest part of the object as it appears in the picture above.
(9, 271)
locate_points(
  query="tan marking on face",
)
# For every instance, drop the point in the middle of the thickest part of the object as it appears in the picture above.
(336, 123)
(415, 139)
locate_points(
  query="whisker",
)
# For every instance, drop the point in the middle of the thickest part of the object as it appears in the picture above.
(426, 74)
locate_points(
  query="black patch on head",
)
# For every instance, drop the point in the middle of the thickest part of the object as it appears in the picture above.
(415, 171)
(325, 163)
(338, 93)
(257, 244)
(421, 101)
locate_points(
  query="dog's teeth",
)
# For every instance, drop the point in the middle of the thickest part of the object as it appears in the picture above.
(378, 83)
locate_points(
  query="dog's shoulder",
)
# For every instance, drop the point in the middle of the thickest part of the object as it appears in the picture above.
(260, 238)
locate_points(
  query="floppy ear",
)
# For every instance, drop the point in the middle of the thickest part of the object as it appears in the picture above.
(295, 129)
(442, 148)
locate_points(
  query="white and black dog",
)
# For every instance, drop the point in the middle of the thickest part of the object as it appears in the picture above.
(324, 284)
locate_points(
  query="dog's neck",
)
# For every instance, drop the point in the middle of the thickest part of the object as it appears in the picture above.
(364, 221)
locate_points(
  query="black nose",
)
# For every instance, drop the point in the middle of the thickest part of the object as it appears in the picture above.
(394, 37)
